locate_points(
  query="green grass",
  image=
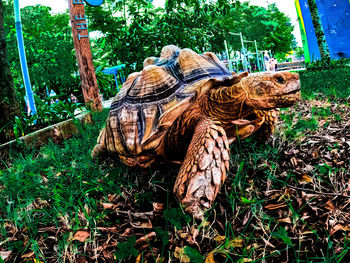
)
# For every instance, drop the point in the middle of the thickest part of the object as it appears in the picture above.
(48, 194)
(329, 83)
(54, 186)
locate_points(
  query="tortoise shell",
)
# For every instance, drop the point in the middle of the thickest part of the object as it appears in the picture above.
(149, 101)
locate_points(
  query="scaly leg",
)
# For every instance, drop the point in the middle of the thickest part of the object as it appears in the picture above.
(268, 127)
(204, 167)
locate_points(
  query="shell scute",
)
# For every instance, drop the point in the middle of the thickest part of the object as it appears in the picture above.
(152, 99)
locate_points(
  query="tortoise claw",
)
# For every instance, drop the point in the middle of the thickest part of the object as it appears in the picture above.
(97, 151)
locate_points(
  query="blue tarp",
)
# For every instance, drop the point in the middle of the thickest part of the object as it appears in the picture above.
(335, 18)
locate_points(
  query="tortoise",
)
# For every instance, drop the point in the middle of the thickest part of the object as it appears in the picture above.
(187, 108)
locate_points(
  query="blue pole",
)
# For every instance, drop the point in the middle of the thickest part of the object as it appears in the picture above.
(23, 59)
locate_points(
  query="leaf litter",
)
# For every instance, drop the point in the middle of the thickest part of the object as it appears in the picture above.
(286, 200)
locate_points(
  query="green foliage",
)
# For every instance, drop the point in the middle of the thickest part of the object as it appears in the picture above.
(329, 82)
(282, 234)
(126, 249)
(193, 254)
(49, 50)
(60, 181)
(134, 30)
(47, 113)
(176, 217)
(163, 235)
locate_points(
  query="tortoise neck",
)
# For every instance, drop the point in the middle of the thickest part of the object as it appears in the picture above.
(225, 103)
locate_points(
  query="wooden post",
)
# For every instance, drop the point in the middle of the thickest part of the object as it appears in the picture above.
(83, 53)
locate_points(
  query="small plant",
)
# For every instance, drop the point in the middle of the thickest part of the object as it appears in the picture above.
(282, 234)
(126, 250)
(176, 217)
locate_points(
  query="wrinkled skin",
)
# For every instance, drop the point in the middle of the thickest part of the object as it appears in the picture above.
(222, 112)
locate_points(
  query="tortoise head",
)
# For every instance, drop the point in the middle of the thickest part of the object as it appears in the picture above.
(268, 90)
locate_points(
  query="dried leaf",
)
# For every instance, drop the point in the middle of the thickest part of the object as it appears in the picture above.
(146, 225)
(108, 206)
(28, 255)
(329, 205)
(81, 236)
(337, 228)
(305, 179)
(235, 242)
(111, 229)
(246, 217)
(138, 258)
(158, 207)
(294, 161)
(275, 206)
(179, 253)
(315, 155)
(4, 255)
(219, 238)
(145, 238)
(285, 220)
(210, 258)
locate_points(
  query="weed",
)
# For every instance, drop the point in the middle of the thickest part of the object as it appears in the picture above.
(126, 250)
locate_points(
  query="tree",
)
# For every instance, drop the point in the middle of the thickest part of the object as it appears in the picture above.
(49, 51)
(133, 30)
(9, 106)
(321, 38)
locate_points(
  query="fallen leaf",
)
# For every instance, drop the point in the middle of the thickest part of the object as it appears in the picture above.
(146, 224)
(337, 228)
(235, 242)
(4, 255)
(111, 229)
(28, 255)
(219, 238)
(329, 205)
(81, 236)
(294, 161)
(314, 155)
(285, 220)
(145, 238)
(210, 258)
(138, 258)
(179, 253)
(246, 217)
(158, 207)
(275, 206)
(305, 179)
(108, 206)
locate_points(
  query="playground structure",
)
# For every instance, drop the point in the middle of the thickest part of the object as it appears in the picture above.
(244, 56)
(335, 17)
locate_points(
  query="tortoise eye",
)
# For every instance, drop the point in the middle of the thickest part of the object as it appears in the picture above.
(280, 80)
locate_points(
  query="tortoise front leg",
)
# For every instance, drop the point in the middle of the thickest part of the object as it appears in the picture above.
(268, 127)
(204, 167)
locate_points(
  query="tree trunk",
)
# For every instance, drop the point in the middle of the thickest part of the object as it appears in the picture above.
(84, 55)
(321, 38)
(9, 106)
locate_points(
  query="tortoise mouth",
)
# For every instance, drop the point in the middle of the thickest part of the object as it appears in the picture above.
(297, 90)
(288, 99)
(290, 91)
